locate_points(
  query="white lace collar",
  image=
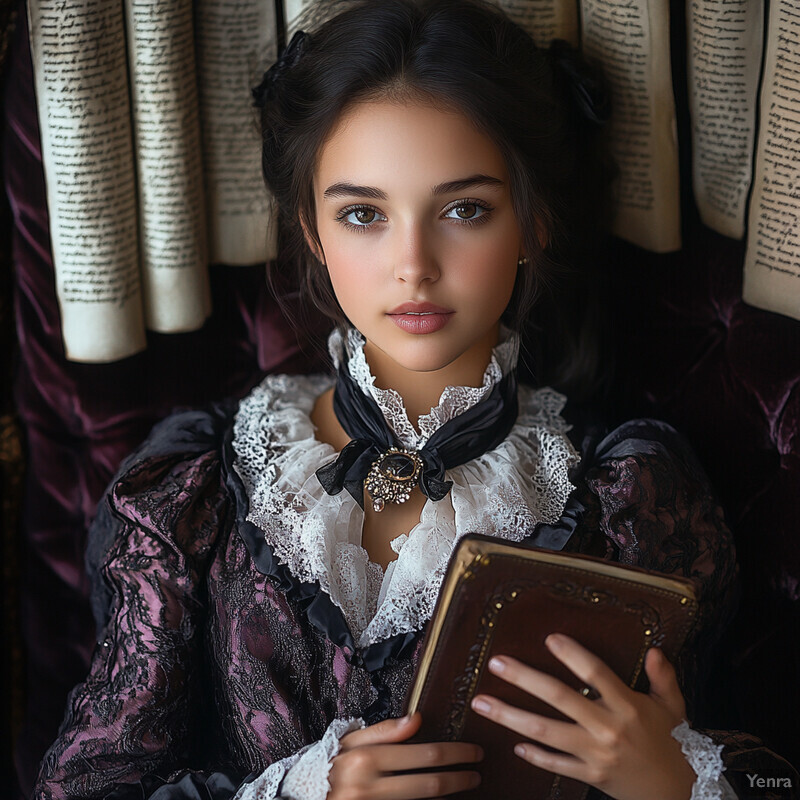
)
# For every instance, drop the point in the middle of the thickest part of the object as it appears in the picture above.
(505, 492)
(453, 401)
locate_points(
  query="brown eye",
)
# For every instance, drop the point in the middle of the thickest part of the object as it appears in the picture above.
(360, 218)
(466, 212)
(469, 212)
(364, 215)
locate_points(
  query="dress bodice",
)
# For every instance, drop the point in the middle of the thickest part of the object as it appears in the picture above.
(218, 656)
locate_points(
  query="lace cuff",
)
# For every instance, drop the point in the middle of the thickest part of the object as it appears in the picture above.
(304, 774)
(705, 759)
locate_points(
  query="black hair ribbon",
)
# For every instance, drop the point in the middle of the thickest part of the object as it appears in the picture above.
(290, 55)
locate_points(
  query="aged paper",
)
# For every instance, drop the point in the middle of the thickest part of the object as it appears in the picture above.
(545, 20)
(236, 41)
(772, 258)
(724, 59)
(292, 11)
(78, 52)
(631, 40)
(168, 155)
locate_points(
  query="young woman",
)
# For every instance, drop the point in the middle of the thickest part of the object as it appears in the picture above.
(261, 600)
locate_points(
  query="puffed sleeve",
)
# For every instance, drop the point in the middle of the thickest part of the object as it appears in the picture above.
(642, 498)
(650, 504)
(136, 714)
(644, 491)
(135, 728)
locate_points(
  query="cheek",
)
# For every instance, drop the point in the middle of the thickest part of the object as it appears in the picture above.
(348, 256)
(341, 261)
(489, 262)
(342, 280)
(488, 277)
(353, 282)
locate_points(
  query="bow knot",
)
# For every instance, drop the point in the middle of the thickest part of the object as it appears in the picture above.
(375, 455)
(291, 54)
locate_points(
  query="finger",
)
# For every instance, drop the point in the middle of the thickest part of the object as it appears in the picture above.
(401, 757)
(554, 692)
(592, 670)
(568, 766)
(566, 736)
(432, 784)
(389, 730)
(664, 682)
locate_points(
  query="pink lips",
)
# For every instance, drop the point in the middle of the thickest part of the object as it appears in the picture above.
(420, 318)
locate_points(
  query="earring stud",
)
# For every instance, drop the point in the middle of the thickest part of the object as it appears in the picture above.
(522, 260)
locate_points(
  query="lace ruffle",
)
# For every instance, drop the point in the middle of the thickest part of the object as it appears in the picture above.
(454, 400)
(505, 492)
(705, 759)
(304, 774)
(308, 778)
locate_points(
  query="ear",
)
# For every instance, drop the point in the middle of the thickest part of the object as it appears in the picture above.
(311, 242)
(542, 234)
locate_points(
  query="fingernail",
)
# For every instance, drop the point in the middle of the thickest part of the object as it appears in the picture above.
(554, 641)
(481, 705)
(496, 665)
(519, 750)
(404, 720)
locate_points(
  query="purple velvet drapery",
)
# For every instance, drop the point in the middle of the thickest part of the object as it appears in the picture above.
(80, 420)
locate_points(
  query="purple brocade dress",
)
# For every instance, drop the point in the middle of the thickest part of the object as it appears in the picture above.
(213, 660)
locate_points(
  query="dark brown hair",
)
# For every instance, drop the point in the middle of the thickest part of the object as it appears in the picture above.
(543, 109)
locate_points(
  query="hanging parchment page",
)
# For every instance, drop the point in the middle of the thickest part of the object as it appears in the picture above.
(724, 53)
(81, 79)
(236, 41)
(168, 152)
(630, 38)
(772, 259)
(292, 11)
(545, 20)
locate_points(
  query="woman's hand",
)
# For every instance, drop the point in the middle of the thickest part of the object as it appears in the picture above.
(619, 743)
(371, 763)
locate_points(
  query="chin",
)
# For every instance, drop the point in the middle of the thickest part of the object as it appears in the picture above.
(423, 353)
(426, 364)
(427, 359)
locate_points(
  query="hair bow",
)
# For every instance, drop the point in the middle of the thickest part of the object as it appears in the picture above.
(586, 85)
(291, 54)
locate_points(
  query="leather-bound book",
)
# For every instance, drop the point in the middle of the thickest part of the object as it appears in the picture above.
(504, 599)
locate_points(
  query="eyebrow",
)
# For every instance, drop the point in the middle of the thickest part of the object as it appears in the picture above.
(344, 189)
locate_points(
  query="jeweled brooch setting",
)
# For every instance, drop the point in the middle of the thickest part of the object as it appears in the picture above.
(392, 477)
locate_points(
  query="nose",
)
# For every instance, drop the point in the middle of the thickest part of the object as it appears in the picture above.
(415, 260)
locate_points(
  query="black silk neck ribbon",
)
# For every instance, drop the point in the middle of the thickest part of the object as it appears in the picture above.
(468, 435)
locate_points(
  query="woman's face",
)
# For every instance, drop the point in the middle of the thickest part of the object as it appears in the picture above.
(418, 233)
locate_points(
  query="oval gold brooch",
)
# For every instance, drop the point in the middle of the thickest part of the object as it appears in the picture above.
(392, 477)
